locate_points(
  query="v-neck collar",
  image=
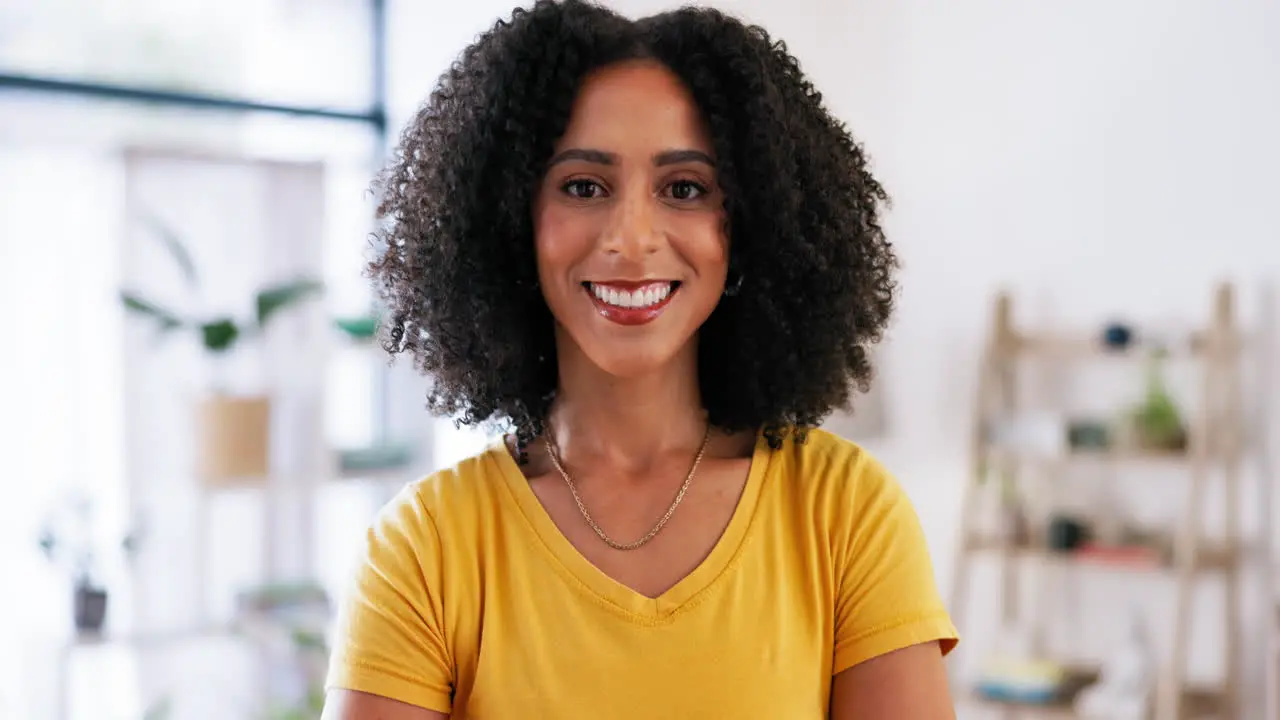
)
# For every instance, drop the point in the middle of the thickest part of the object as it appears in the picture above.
(635, 605)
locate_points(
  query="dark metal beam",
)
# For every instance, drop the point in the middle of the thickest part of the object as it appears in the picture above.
(374, 117)
(378, 63)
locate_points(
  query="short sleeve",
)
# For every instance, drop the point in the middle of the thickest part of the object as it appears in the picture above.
(887, 597)
(389, 639)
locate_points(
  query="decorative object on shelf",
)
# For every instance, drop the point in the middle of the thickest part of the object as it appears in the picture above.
(1035, 434)
(234, 430)
(1014, 674)
(1129, 546)
(235, 438)
(89, 607)
(1025, 682)
(1117, 336)
(1156, 423)
(375, 458)
(1088, 435)
(1126, 546)
(1127, 682)
(1120, 556)
(68, 538)
(1066, 533)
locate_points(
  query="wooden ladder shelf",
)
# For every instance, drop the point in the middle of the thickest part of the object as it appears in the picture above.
(1210, 456)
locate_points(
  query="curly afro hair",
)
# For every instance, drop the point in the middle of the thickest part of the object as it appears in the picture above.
(456, 266)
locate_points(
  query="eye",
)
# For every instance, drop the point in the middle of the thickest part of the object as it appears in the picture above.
(583, 189)
(685, 190)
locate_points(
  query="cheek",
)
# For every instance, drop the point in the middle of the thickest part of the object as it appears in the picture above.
(705, 246)
(561, 239)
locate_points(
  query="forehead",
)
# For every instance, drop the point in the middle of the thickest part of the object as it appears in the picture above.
(636, 104)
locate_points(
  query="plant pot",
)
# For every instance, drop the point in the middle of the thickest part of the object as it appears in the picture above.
(1160, 440)
(90, 608)
(233, 447)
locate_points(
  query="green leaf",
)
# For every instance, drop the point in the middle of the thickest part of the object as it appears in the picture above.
(359, 328)
(305, 639)
(279, 297)
(219, 335)
(167, 319)
(315, 700)
(176, 249)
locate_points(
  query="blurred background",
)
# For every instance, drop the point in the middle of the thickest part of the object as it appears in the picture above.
(1078, 393)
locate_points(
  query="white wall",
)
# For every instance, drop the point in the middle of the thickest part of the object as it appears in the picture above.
(1096, 158)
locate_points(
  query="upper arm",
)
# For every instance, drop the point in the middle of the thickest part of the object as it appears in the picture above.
(389, 645)
(354, 705)
(906, 684)
(886, 596)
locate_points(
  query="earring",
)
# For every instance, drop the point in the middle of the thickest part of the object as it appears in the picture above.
(731, 289)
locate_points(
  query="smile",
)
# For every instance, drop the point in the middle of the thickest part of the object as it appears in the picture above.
(631, 303)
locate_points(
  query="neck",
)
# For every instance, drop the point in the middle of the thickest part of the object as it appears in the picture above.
(628, 423)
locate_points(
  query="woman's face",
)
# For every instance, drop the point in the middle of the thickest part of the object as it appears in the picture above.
(629, 222)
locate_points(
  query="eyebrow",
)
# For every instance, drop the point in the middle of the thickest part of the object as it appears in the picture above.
(675, 157)
(600, 157)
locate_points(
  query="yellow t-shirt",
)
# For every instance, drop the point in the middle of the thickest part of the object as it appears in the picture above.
(470, 601)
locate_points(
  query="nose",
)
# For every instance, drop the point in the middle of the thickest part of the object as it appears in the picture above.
(632, 231)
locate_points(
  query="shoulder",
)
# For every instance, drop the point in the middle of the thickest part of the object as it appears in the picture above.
(824, 464)
(453, 499)
(885, 592)
(476, 479)
(839, 489)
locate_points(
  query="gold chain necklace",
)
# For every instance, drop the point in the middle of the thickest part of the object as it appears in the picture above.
(582, 508)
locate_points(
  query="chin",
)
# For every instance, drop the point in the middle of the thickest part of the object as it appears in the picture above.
(629, 365)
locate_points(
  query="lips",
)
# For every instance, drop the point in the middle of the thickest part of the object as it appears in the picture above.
(631, 303)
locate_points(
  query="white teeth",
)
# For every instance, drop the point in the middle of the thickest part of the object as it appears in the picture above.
(639, 298)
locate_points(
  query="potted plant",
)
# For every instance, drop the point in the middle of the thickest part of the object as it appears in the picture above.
(1156, 423)
(290, 620)
(67, 539)
(234, 431)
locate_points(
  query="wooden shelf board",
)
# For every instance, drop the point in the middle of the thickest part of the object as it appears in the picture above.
(1076, 346)
(1116, 456)
(1197, 703)
(1023, 710)
(1210, 557)
(155, 637)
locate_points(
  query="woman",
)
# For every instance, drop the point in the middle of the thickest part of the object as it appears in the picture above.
(648, 250)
